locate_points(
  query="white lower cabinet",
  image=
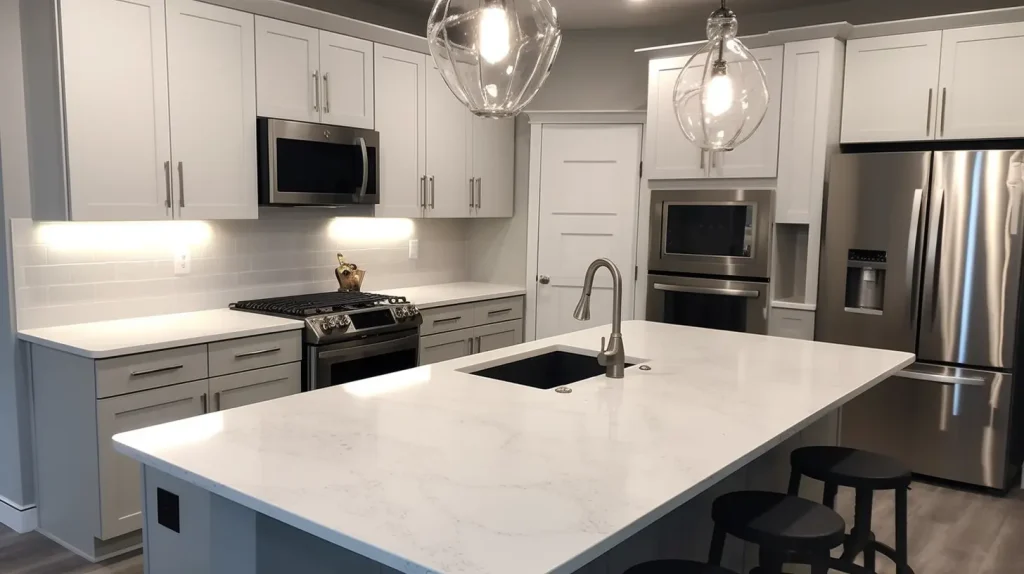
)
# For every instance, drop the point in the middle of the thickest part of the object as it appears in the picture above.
(458, 331)
(120, 481)
(251, 387)
(791, 323)
(498, 336)
(446, 346)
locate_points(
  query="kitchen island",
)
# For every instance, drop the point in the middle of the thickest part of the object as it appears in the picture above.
(435, 469)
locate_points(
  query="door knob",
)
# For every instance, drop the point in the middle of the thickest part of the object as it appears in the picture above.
(544, 279)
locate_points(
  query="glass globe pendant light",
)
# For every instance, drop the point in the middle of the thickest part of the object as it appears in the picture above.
(721, 95)
(494, 54)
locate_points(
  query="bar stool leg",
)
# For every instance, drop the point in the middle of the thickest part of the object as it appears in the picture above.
(829, 498)
(717, 547)
(901, 531)
(794, 483)
(859, 539)
(769, 562)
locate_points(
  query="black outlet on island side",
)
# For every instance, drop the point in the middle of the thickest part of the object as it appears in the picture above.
(168, 510)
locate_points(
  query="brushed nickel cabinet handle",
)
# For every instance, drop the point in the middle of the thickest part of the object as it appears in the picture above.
(216, 401)
(702, 159)
(255, 353)
(448, 320)
(316, 91)
(155, 371)
(327, 95)
(181, 184)
(928, 118)
(167, 175)
(472, 193)
(423, 191)
(431, 192)
(499, 312)
(479, 192)
(942, 126)
(202, 400)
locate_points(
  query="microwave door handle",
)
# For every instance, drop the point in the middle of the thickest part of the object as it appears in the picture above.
(366, 166)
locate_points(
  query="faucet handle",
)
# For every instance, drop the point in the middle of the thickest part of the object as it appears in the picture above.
(602, 345)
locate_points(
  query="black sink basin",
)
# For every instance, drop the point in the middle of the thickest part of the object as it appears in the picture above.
(546, 371)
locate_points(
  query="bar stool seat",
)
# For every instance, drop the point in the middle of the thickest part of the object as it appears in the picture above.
(676, 567)
(779, 522)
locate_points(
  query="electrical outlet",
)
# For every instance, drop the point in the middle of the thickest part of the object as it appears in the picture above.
(414, 249)
(182, 261)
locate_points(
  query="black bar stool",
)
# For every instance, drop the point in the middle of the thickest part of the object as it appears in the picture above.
(787, 529)
(865, 472)
(676, 567)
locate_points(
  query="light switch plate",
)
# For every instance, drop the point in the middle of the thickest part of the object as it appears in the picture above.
(182, 261)
(414, 249)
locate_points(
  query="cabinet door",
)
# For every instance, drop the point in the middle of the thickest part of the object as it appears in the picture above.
(792, 324)
(117, 115)
(493, 146)
(250, 387)
(346, 68)
(759, 155)
(449, 129)
(980, 83)
(446, 346)
(498, 335)
(213, 110)
(287, 57)
(669, 155)
(890, 92)
(120, 481)
(400, 84)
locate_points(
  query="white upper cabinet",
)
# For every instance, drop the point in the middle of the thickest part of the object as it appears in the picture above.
(449, 130)
(759, 155)
(811, 96)
(890, 92)
(287, 70)
(669, 155)
(309, 75)
(213, 110)
(980, 82)
(493, 146)
(346, 70)
(400, 84)
(117, 130)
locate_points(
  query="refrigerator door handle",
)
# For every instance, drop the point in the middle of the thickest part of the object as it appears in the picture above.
(915, 221)
(935, 260)
(942, 379)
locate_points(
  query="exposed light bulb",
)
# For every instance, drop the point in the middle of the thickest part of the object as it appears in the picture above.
(495, 41)
(719, 94)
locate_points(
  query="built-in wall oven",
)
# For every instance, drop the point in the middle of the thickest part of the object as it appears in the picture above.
(311, 164)
(710, 258)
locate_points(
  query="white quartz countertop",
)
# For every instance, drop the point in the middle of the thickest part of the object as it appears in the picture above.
(105, 339)
(436, 470)
(455, 293)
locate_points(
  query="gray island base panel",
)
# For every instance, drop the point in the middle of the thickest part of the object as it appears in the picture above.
(434, 469)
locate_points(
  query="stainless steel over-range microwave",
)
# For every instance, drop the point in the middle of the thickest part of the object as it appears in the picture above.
(309, 164)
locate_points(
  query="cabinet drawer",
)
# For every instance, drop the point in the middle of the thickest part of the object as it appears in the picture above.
(132, 373)
(239, 355)
(499, 310)
(451, 318)
(250, 387)
(792, 323)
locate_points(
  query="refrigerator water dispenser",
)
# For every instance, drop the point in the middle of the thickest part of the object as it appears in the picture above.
(865, 281)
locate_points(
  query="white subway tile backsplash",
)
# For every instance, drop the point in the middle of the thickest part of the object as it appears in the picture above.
(286, 253)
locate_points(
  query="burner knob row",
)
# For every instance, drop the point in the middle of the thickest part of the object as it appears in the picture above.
(332, 322)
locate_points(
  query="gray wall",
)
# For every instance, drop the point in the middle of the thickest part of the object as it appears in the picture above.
(16, 481)
(374, 12)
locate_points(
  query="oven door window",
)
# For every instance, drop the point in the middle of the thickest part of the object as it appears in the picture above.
(324, 168)
(709, 230)
(363, 368)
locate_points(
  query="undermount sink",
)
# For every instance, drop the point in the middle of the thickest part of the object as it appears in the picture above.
(546, 371)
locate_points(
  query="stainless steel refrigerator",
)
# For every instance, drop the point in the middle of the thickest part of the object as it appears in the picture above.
(922, 253)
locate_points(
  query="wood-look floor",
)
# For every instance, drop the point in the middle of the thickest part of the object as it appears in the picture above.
(951, 532)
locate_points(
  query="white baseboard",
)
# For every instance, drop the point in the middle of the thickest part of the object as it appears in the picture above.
(93, 559)
(20, 519)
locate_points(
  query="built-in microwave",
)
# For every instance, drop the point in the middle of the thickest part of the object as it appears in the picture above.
(721, 232)
(304, 163)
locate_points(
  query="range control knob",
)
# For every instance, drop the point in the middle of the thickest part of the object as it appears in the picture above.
(412, 311)
(400, 312)
(343, 321)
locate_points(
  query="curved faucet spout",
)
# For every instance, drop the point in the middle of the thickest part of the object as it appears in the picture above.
(613, 357)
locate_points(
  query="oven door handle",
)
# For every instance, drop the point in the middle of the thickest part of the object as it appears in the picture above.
(745, 293)
(366, 166)
(371, 350)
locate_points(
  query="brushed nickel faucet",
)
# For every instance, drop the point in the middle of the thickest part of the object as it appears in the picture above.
(613, 357)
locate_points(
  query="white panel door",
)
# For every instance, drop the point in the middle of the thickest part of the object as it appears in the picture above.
(400, 84)
(287, 70)
(981, 84)
(118, 125)
(668, 154)
(588, 209)
(449, 129)
(759, 155)
(212, 64)
(346, 67)
(890, 92)
(493, 147)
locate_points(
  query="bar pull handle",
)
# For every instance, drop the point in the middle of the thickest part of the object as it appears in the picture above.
(471, 341)
(936, 258)
(472, 193)
(167, 174)
(479, 192)
(928, 118)
(202, 401)
(181, 184)
(257, 353)
(446, 321)
(942, 126)
(423, 191)
(366, 166)
(216, 401)
(942, 379)
(745, 293)
(915, 221)
(155, 371)
(431, 192)
(327, 95)
(499, 312)
(702, 152)
(316, 91)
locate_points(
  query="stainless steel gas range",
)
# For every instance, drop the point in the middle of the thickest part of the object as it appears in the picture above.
(349, 335)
